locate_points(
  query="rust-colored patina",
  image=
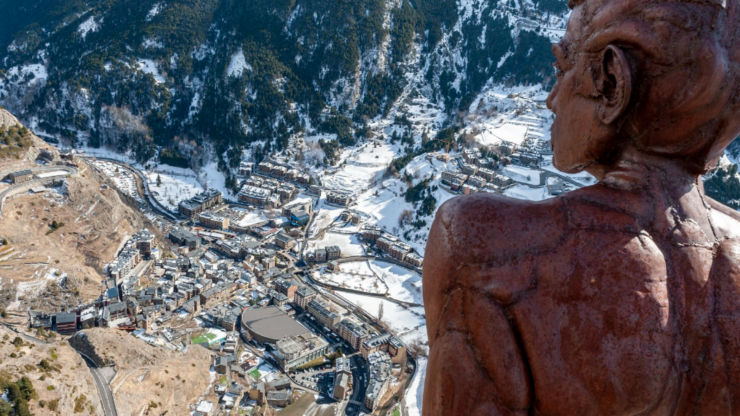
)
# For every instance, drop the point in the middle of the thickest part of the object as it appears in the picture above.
(622, 298)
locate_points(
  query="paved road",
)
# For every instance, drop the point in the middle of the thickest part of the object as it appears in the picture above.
(26, 336)
(359, 377)
(106, 395)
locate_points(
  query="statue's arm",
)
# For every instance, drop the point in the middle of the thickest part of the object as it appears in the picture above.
(476, 365)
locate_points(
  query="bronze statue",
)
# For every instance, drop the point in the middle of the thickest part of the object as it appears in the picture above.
(622, 298)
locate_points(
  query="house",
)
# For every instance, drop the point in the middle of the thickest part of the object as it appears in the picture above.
(278, 398)
(299, 217)
(254, 195)
(371, 234)
(323, 313)
(214, 220)
(333, 253)
(222, 364)
(338, 199)
(380, 368)
(469, 169)
(87, 318)
(183, 238)
(257, 393)
(21, 176)
(477, 181)
(284, 241)
(246, 168)
(384, 243)
(486, 174)
(399, 250)
(199, 203)
(265, 167)
(66, 323)
(280, 383)
(353, 333)
(413, 260)
(341, 386)
(303, 296)
(386, 343)
(117, 310)
(502, 181)
(320, 255)
(286, 287)
(279, 171)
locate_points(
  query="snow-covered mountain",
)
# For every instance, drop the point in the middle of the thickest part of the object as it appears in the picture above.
(193, 76)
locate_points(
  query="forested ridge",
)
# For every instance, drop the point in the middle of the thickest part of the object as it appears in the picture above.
(150, 75)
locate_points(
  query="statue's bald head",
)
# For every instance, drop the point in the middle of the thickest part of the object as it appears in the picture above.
(684, 70)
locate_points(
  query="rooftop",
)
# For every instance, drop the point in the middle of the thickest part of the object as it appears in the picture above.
(271, 323)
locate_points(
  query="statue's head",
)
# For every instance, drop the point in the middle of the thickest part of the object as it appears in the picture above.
(661, 76)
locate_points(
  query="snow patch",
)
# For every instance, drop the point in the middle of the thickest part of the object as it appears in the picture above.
(148, 66)
(155, 10)
(89, 25)
(238, 64)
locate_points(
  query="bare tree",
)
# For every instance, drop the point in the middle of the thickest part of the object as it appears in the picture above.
(417, 349)
(380, 311)
(406, 217)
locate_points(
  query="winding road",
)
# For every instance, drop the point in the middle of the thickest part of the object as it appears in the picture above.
(106, 395)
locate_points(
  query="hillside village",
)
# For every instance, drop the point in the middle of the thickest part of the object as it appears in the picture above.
(303, 293)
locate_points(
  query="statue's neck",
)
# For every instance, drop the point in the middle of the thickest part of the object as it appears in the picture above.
(664, 184)
(637, 170)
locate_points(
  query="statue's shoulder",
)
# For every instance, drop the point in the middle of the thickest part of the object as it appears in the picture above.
(485, 227)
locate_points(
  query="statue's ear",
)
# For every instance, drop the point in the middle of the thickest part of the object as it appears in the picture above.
(614, 84)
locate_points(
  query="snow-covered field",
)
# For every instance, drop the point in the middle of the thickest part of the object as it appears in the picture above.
(361, 168)
(172, 185)
(352, 279)
(408, 323)
(522, 174)
(403, 284)
(348, 243)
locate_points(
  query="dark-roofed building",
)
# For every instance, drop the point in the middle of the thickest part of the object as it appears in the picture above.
(66, 323)
(269, 324)
(21, 176)
(284, 241)
(199, 203)
(286, 287)
(117, 310)
(184, 238)
(354, 334)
